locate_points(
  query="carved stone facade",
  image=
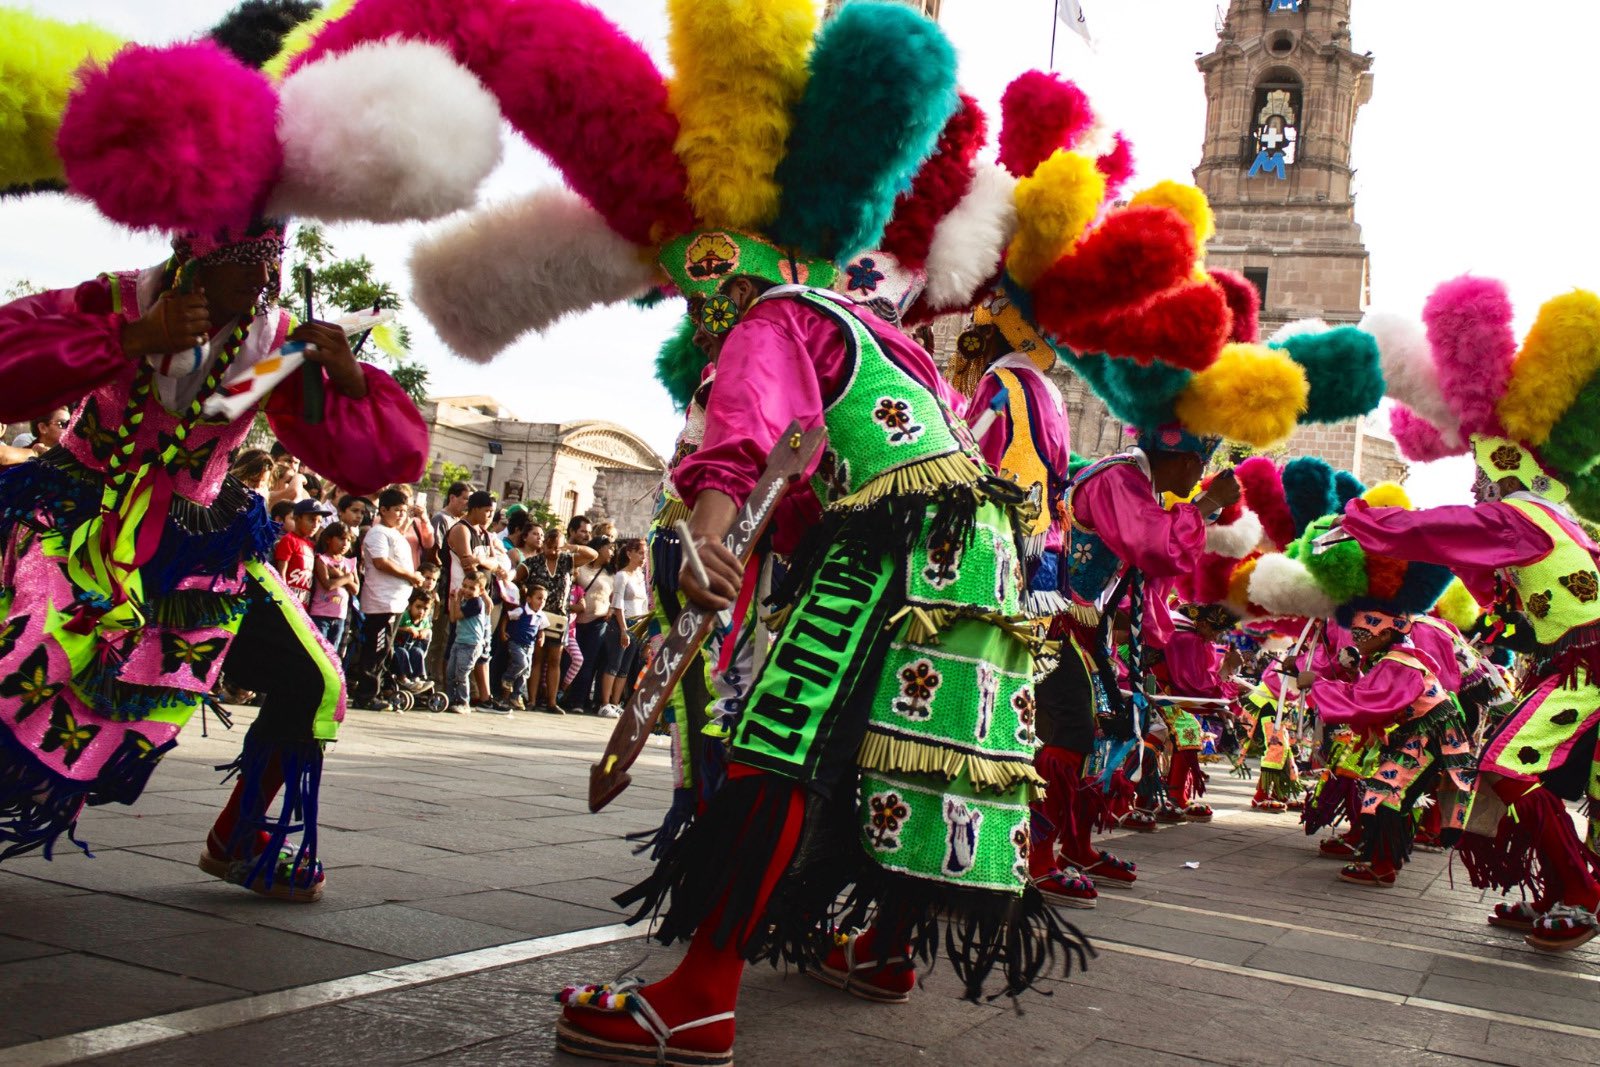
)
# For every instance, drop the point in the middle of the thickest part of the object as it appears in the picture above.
(590, 467)
(1283, 88)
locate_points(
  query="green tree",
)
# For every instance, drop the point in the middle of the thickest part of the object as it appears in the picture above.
(352, 285)
(449, 473)
(18, 289)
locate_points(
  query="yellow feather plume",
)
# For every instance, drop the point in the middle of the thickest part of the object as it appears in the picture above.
(299, 39)
(1388, 495)
(1187, 201)
(1055, 204)
(1239, 587)
(1458, 607)
(1252, 394)
(740, 67)
(39, 59)
(1558, 356)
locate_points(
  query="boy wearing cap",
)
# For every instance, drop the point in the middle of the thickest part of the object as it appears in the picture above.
(295, 553)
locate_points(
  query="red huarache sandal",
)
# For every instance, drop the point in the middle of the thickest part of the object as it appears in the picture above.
(1563, 928)
(605, 1003)
(886, 982)
(1363, 874)
(1139, 820)
(1069, 888)
(1519, 916)
(1336, 848)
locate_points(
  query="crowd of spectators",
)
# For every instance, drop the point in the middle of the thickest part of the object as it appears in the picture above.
(483, 604)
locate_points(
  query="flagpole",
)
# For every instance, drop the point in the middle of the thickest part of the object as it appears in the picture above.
(1055, 17)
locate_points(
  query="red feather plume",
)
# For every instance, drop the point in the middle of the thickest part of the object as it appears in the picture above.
(1135, 255)
(1185, 327)
(580, 90)
(1244, 300)
(938, 186)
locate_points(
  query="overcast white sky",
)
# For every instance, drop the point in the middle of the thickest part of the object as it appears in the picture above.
(1473, 155)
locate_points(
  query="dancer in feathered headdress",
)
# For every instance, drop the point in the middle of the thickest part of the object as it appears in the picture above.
(133, 558)
(900, 686)
(1527, 415)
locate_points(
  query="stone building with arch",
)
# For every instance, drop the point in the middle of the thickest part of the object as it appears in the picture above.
(588, 467)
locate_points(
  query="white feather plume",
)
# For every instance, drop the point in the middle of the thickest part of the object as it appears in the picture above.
(1409, 372)
(1237, 539)
(968, 242)
(487, 279)
(1284, 586)
(387, 132)
(1295, 329)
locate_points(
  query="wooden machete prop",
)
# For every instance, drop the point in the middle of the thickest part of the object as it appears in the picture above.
(787, 462)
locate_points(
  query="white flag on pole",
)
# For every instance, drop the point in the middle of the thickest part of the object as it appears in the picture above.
(1070, 12)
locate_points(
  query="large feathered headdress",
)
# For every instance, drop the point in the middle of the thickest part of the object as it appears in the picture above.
(193, 137)
(1464, 385)
(774, 150)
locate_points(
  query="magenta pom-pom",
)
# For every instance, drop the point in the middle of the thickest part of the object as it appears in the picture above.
(580, 90)
(1419, 440)
(1040, 113)
(938, 187)
(176, 138)
(1261, 485)
(1469, 329)
(1244, 301)
(1116, 165)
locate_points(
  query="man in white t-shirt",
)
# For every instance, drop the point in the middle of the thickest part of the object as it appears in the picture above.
(454, 506)
(387, 579)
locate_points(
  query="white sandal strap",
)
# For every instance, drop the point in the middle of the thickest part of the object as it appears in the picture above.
(652, 1023)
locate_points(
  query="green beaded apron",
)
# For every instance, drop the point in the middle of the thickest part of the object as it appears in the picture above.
(921, 654)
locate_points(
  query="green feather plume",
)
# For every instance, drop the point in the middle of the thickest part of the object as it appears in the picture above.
(882, 86)
(1347, 487)
(679, 364)
(1308, 488)
(1340, 570)
(1140, 396)
(1343, 368)
(1574, 443)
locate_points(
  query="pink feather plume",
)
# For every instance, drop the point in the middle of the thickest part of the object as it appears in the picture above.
(176, 138)
(1469, 330)
(580, 90)
(938, 186)
(1244, 300)
(1040, 113)
(1261, 486)
(1117, 165)
(1420, 441)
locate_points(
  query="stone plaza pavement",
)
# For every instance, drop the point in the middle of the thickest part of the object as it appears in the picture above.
(467, 882)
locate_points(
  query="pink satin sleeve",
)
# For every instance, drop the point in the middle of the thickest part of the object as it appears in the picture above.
(1379, 697)
(1118, 506)
(57, 347)
(362, 444)
(993, 445)
(766, 378)
(1439, 650)
(1193, 665)
(1480, 537)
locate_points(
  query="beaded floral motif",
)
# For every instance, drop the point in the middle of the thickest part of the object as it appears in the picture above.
(895, 416)
(944, 563)
(1020, 842)
(919, 682)
(1023, 703)
(1506, 457)
(1582, 585)
(1539, 605)
(889, 815)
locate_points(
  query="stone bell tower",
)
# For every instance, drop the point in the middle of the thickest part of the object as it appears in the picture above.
(1283, 88)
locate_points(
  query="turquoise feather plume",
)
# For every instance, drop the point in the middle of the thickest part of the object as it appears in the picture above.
(882, 86)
